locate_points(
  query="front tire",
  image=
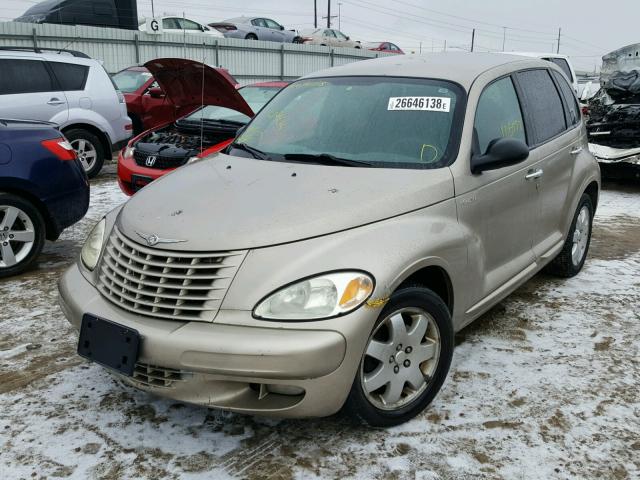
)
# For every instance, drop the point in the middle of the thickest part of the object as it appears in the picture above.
(571, 258)
(89, 149)
(406, 359)
(22, 233)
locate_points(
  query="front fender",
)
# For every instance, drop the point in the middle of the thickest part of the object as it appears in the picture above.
(390, 250)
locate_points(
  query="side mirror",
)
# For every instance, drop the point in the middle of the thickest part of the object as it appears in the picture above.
(348, 38)
(156, 92)
(281, 27)
(502, 152)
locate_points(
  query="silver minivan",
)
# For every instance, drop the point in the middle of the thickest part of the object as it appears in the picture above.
(71, 90)
(326, 259)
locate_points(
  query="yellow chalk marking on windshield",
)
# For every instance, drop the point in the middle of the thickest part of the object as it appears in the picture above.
(426, 146)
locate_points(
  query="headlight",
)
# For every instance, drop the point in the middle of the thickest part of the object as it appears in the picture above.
(93, 246)
(128, 152)
(324, 296)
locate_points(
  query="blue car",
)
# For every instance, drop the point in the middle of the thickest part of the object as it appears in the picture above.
(43, 190)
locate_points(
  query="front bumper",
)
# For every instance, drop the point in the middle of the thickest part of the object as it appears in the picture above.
(269, 368)
(127, 168)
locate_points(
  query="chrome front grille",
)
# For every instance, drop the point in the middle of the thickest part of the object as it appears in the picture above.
(165, 284)
(153, 376)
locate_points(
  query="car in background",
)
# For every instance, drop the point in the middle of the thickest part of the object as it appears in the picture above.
(147, 104)
(255, 28)
(43, 190)
(219, 113)
(385, 47)
(71, 90)
(329, 37)
(562, 61)
(182, 25)
(97, 13)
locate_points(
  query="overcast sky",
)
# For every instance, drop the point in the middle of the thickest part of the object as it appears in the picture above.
(589, 28)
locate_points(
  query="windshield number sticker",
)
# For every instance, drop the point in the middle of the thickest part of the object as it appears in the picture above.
(431, 104)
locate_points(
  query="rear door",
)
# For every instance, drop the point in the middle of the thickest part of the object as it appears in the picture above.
(72, 80)
(29, 91)
(552, 145)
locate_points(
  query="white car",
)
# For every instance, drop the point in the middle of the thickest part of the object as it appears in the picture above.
(183, 25)
(329, 37)
(71, 90)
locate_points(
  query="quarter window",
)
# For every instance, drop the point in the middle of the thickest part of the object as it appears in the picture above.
(573, 115)
(24, 76)
(542, 104)
(564, 66)
(70, 77)
(498, 114)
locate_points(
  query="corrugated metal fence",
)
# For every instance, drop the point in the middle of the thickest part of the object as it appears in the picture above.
(249, 61)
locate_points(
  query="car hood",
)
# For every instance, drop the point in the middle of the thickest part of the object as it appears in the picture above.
(182, 81)
(233, 203)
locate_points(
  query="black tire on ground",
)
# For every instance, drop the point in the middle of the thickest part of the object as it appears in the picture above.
(78, 135)
(359, 406)
(251, 36)
(10, 200)
(297, 40)
(563, 265)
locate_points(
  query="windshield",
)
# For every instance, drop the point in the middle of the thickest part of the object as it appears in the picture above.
(372, 121)
(129, 81)
(256, 98)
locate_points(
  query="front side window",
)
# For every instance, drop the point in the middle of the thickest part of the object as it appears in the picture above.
(70, 77)
(329, 33)
(340, 35)
(128, 81)
(372, 121)
(542, 103)
(272, 24)
(189, 25)
(498, 114)
(24, 76)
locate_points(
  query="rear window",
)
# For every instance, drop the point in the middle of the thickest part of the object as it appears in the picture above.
(24, 76)
(128, 81)
(542, 104)
(70, 77)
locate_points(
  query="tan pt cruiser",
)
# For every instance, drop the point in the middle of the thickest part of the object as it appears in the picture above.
(327, 258)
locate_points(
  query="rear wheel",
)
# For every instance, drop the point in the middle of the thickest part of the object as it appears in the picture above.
(251, 36)
(406, 359)
(89, 149)
(571, 258)
(297, 40)
(22, 233)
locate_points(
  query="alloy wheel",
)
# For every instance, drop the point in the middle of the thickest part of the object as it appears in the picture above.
(86, 151)
(17, 235)
(400, 359)
(581, 235)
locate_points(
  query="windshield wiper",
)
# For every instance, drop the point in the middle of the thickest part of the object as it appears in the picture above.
(326, 159)
(259, 154)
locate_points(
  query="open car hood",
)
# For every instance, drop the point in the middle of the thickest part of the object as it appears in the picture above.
(182, 81)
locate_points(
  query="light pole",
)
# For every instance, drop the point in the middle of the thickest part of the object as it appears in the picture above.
(315, 13)
(339, 18)
(153, 10)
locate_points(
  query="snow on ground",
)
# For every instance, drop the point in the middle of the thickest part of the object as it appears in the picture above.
(543, 386)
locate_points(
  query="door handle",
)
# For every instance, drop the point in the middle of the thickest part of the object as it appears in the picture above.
(533, 174)
(55, 101)
(576, 151)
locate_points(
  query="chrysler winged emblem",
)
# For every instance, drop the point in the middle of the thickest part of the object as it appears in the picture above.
(150, 161)
(153, 239)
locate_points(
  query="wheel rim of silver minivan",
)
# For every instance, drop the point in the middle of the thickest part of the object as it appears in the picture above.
(400, 358)
(86, 152)
(580, 236)
(17, 235)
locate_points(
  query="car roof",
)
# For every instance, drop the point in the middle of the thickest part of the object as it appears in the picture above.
(51, 57)
(538, 54)
(459, 67)
(268, 84)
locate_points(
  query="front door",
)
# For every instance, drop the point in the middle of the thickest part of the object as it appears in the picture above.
(498, 208)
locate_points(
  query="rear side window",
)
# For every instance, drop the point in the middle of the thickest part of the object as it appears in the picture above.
(542, 103)
(70, 77)
(170, 24)
(259, 22)
(564, 66)
(573, 115)
(24, 76)
(498, 114)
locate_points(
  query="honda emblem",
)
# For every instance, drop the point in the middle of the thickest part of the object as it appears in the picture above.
(150, 161)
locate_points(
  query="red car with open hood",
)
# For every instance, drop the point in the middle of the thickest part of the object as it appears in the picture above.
(218, 109)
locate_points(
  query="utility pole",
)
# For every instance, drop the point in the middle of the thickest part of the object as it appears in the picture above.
(473, 38)
(445, 45)
(328, 13)
(315, 13)
(339, 17)
(559, 33)
(153, 10)
(504, 37)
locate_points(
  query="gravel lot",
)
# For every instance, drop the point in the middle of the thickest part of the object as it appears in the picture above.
(543, 386)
